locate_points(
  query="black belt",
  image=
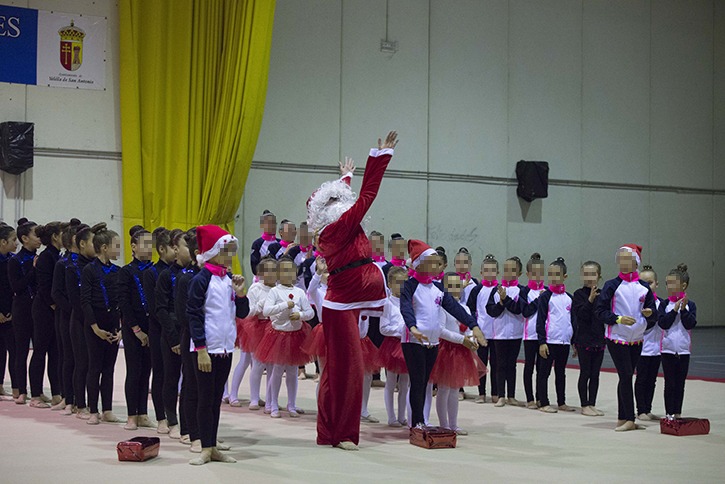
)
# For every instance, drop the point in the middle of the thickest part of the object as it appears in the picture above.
(352, 265)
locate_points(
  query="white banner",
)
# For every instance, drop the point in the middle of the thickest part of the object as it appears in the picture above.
(71, 50)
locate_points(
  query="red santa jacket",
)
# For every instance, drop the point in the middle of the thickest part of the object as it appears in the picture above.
(344, 241)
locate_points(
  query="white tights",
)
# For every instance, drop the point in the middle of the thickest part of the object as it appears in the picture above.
(255, 380)
(245, 359)
(447, 407)
(367, 383)
(277, 371)
(403, 382)
(428, 403)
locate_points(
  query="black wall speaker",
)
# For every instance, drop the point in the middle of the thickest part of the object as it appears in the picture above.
(16, 146)
(533, 177)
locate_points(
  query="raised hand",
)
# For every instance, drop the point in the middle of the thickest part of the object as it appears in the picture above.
(593, 293)
(238, 286)
(348, 167)
(391, 141)
(320, 266)
(501, 294)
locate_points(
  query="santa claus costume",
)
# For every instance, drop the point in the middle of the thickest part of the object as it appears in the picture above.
(355, 283)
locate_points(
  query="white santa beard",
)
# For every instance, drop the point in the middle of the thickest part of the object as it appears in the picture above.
(323, 212)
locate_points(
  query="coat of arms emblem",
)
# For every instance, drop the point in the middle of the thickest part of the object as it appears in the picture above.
(71, 47)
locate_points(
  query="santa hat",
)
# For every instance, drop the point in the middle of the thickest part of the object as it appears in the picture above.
(636, 250)
(211, 239)
(419, 251)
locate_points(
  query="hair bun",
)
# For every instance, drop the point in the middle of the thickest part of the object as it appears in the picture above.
(40, 230)
(682, 267)
(22, 221)
(489, 257)
(560, 259)
(463, 250)
(74, 222)
(516, 259)
(440, 249)
(646, 267)
(535, 256)
(396, 235)
(135, 229)
(99, 228)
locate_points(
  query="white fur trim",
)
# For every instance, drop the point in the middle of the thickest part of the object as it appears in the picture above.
(216, 248)
(629, 249)
(374, 153)
(370, 306)
(426, 253)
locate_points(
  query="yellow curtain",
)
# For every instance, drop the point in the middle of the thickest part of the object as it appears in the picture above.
(193, 86)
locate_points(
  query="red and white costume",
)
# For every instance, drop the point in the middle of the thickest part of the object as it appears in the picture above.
(343, 241)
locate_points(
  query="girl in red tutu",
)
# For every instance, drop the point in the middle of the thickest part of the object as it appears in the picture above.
(456, 365)
(391, 357)
(316, 294)
(370, 366)
(250, 331)
(282, 346)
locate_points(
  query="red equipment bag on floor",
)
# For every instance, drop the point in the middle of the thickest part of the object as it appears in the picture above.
(433, 437)
(138, 449)
(685, 426)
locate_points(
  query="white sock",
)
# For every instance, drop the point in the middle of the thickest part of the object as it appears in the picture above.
(241, 368)
(442, 406)
(226, 389)
(275, 384)
(270, 370)
(403, 385)
(391, 379)
(367, 382)
(291, 381)
(255, 380)
(428, 403)
(452, 408)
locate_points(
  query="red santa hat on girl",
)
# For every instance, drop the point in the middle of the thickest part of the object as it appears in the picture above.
(636, 250)
(419, 251)
(211, 240)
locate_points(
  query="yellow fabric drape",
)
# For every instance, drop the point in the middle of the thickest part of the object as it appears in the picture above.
(193, 87)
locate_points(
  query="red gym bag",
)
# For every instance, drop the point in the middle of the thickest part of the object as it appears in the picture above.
(685, 426)
(138, 449)
(433, 437)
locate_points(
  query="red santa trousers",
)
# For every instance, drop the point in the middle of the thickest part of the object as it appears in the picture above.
(339, 401)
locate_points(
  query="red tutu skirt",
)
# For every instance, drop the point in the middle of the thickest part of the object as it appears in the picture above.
(390, 356)
(285, 347)
(369, 356)
(455, 366)
(250, 332)
(316, 346)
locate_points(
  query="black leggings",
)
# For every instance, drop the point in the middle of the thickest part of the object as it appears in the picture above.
(101, 363)
(558, 355)
(644, 386)
(211, 390)
(590, 364)
(68, 362)
(157, 366)
(138, 372)
(44, 344)
(483, 353)
(420, 361)
(7, 343)
(189, 392)
(507, 350)
(531, 354)
(80, 355)
(625, 359)
(172, 373)
(675, 368)
(23, 332)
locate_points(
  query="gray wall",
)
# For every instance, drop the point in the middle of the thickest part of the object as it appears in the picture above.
(613, 91)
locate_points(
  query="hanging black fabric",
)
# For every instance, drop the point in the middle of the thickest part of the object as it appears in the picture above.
(533, 177)
(16, 147)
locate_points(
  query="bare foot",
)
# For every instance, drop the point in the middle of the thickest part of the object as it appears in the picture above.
(195, 446)
(589, 412)
(163, 427)
(217, 456)
(204, 458)
(548, 409)
(174, 432)
(131, 423)
(347, 446)
(109, 417)
(37, 402)
(144, 421)
(58, 406)
(94, 419)
(566, 408)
